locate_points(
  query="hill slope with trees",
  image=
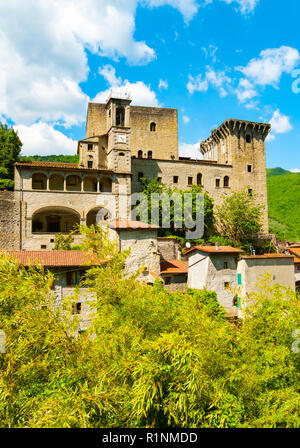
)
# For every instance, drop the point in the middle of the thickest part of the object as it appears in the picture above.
(284, 203)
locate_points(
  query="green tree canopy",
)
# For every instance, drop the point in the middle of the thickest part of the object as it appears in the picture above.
(239, 216)
(155, 186)
(10, 148)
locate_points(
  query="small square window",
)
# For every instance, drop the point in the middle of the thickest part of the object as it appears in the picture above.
(167, 280)
(43, 246)
(175, 179)
(159, 179)
(190, 181)
(90, 164)
(226, 285)
(52, 240)
(250, 191)
(90, 147)
(76, 308)
(249, 168)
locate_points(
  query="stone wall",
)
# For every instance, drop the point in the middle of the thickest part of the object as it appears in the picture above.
(9, 221)
(169, 248)
(163, 142)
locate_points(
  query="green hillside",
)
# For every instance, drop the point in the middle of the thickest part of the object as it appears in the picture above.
(61, 158)
(284, 203)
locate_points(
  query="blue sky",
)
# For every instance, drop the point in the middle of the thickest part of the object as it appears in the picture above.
(210, 59)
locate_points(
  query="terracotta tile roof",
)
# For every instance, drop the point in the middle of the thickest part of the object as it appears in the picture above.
(268, 256)
(173, 267)
(54, 258)
(47, 164)
(119, 224)
(213, 250)
(295, 251)
(296, 260)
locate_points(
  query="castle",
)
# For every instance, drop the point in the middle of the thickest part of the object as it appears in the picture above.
(124, 143)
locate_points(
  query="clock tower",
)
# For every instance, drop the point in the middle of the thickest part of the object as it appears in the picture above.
(118, 132)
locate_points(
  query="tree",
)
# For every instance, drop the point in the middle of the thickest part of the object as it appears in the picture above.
(155, 186)
(239, 216)
(10, 148)
(62, 242)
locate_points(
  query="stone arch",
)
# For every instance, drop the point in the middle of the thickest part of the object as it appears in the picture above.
(92, 216)
(55, 219)
(73, 182)
(105, 184)
(140, 154)
(153, 127)
(56, 182)
(90, 183)
(39, 181)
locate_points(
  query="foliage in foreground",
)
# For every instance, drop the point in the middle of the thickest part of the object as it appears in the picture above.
(151, 358)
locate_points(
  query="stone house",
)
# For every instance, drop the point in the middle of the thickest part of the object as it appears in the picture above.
(295, 251)
(214, 268)
(174, 274)
(68, 268)
(251, 268)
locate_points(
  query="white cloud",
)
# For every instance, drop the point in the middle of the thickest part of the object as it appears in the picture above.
(42, 139)
(280, 123)
(163, 84)
(188, 8)
(186, 119)
(140, 93)
(190, 150)
(43, 59)
(245, 6)
(245, 90)
(217, 79)
(268, 68)
(295, 170)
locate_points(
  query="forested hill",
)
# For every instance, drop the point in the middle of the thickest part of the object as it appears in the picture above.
(284, 203)
(61, 158)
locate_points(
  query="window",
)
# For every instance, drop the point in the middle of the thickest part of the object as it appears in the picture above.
(226, 181)
(140, 176)
(217, 183)
(120, 116)
(250, 191)
(190, 181)
(90, 164)
(226, 285)
(73, 278)
(249, 168)
(121, 154)
(153, 127)
(90, 147)
(248, 138)
(76, 308)
(175, 179)
(149, 154)
(43, 246)
(199, 179)
(167, 280)
(159, 179)
(140, 154)
(225, 264)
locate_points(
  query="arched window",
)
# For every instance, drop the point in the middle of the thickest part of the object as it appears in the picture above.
(149, 154)
(226, 181)
(90, 183)
(248, 138)
(199, 179)
(140, 154)
(153, 127)
(73, 183)
(39, 181)
(120, 116)
(105, 185)
(56, 182)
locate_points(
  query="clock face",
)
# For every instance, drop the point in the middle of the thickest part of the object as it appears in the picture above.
(121, 138)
